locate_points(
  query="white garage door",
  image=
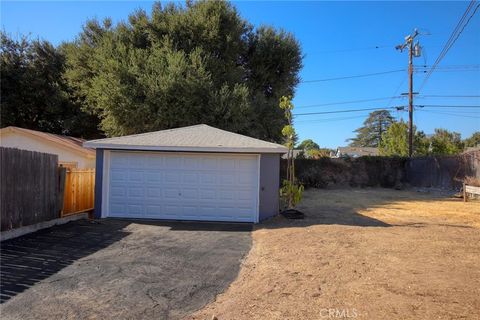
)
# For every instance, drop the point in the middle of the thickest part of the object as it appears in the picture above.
(210, 187)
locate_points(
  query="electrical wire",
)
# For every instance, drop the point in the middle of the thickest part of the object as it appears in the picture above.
(448, 96)
(341, 111)
(330, 119)
(451, 114)
(353, 76)
(459, 66)
(348, 102)
(451, 40)
(353, 49)
(443, 106)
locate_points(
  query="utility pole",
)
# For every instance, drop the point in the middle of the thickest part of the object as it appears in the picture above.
(413, 51)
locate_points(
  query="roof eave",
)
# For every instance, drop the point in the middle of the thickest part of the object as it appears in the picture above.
(93, 145)
(51, 138)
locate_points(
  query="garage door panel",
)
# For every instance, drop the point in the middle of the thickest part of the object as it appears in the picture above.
(208, 164)
(136, 192)
(154, 192)
(188, 187)
(226, 164)
(208, 194)
(173, 177)
(135, 176)
(189, 194)
(153, 210)
(226, 195)
(153, 176)
(118, 175)
(155, 163)
(208, 178)
(136, 162)
(245, 195)
(119, 191)
(246, 165)
(173, 162)
(246, 179)
(171, 193)
(190, 177)
(190, 164)
(226, 179)
(118, 209)
(135, 209)
(173, 209)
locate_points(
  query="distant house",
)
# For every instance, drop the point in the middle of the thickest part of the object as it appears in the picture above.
(70, 150)
(354, 152)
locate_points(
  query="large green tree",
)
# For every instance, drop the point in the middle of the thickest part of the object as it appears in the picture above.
(308, 144)
(444, 142)
(395, 141)
(370, 134)
(34, 94)
(473, 140)
(184, 65)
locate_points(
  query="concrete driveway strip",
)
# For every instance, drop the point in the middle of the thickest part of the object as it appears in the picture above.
(119, 269)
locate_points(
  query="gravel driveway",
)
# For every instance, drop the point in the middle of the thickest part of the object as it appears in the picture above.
(119, 269)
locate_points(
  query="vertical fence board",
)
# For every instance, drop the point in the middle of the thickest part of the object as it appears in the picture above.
(79, 191)
(29, 187)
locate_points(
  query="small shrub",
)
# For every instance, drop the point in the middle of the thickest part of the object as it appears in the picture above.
(472, 181)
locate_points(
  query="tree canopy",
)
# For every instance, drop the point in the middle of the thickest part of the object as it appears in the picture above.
(473, 140)
(184, 65)
(34, 94)
(370, 134)
(308, 144)
(444, 142)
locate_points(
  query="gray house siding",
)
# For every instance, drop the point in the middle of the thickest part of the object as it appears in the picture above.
(97, 211)
(269, 185)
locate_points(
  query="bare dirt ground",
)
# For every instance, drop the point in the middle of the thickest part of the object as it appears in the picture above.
(364, 254)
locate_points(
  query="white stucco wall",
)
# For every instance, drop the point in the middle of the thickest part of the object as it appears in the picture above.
(27, 142)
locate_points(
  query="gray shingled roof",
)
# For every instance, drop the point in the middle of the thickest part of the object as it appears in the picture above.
(194, 138)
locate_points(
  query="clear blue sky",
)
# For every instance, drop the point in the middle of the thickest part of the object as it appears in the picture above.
(338, 39)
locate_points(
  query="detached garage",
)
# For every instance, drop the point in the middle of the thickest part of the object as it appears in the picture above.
(191, 173)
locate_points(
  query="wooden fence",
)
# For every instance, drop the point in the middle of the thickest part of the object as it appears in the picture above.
(79, 191)
(31, 188)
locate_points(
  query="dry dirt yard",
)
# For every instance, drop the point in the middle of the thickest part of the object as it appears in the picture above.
(364, 254)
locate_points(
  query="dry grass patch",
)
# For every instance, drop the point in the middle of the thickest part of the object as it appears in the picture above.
(375, 253)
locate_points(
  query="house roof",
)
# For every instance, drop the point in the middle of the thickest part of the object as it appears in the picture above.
(66, 141)
(358, 151)
(201, 138)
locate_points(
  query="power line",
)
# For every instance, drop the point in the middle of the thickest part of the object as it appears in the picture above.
(352, 49)
(451, 114)
(341, 111)
(459, 66)
(396, 90)
(448, 96)
(330, 119)
(349, 102)
(449, 71)
(353, 76)
(451, 40)
(443, 106)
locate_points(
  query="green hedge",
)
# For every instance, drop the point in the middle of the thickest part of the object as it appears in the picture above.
(385, 172)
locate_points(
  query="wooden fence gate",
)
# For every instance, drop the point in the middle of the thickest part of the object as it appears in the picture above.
(79, 191)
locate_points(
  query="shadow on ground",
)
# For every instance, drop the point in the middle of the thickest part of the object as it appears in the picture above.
(31, 258)
(343, 206)
(126, 269)
(176, 225)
